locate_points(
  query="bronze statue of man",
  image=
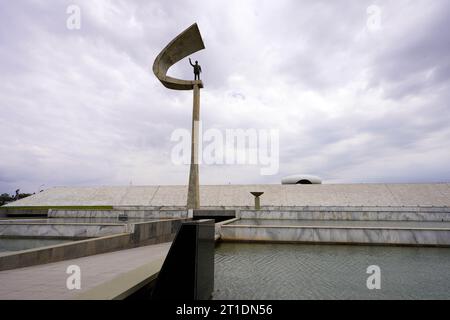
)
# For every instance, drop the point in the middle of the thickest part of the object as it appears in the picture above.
(197, 69)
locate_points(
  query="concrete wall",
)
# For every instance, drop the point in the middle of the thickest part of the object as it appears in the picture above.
(6, 211)
(342, 235)
(63, 230)
(145, 233)
(352, 213)
(231, 196)
(130, 212)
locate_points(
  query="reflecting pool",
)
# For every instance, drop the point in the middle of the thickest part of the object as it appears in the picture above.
(296, 271)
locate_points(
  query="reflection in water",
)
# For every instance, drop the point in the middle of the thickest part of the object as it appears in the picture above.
(295, 271)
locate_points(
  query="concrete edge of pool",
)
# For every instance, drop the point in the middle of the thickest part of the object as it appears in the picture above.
(134, 235)
(337, 235)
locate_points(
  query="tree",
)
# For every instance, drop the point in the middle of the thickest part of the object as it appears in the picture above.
(5, 198)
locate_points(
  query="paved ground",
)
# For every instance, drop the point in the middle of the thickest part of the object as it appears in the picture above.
(49, 281)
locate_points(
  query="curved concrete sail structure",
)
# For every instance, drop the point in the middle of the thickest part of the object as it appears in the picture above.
(185, 44)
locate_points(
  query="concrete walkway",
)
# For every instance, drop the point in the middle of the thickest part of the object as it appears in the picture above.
(104, 276)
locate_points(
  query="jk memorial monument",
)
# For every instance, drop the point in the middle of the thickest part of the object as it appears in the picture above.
(186, 43)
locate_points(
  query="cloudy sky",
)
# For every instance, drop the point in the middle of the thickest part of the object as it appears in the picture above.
(359, 90)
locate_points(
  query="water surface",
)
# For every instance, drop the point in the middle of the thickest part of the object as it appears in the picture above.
(285, 271)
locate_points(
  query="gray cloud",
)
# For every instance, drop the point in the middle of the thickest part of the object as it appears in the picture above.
(352, 105)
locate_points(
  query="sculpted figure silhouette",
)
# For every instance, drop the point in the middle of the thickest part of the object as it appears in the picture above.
(197, 69)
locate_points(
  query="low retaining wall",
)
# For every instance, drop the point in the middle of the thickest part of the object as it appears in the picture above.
(141, 234)
(352, 213)
(11, 211)
(115, 213)
(218, 226)
(211, 212)
(341, 235)
(357, 208)
(61, 230)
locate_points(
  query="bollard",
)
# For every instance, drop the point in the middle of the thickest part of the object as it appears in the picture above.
(257, 201)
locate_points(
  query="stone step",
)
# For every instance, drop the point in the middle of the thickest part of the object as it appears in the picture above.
(357, 208)
(115, 214)
(346, 215)
(339, 232)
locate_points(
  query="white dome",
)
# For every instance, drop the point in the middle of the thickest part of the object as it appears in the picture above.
(301, 179)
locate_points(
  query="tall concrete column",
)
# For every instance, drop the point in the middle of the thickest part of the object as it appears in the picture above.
(193, 201)
(185, 44)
